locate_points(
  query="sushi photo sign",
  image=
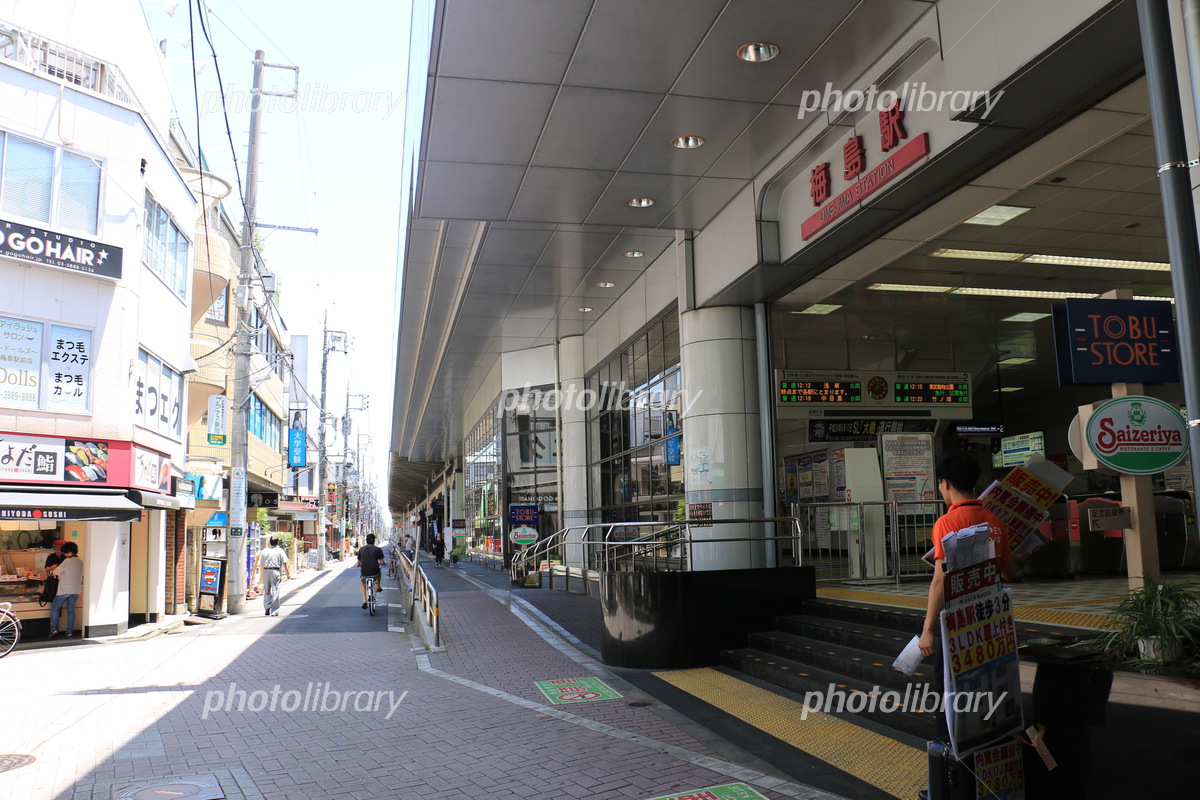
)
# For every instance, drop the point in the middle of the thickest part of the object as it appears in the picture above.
(97, 462)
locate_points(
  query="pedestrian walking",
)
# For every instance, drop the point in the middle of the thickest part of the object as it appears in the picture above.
(271, 562)
(439, 549)
(70, 586)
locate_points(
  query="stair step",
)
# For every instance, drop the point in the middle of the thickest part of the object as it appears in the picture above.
(879, 616)
(884, 641)
(800, 679)
(840, 659)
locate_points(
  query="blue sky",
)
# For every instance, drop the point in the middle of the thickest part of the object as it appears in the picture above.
(328, 160)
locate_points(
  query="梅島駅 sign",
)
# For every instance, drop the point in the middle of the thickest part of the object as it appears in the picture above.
(1137, 435)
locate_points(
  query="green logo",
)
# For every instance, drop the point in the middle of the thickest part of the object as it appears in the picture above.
(1137, 414)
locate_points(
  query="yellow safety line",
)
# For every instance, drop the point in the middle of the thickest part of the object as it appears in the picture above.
(884, 763)
(1030, 613)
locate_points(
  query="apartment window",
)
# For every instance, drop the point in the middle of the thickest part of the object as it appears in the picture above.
(265, 341)
(218, 312)
(166, 248)
(50, 185)
(263, 423)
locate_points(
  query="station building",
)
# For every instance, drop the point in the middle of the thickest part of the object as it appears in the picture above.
(692, 259)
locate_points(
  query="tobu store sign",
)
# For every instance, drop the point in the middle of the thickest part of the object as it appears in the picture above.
(1137, 435)
(1115, 341)
(866, 179)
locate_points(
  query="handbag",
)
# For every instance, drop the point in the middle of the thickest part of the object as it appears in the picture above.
(49, 590)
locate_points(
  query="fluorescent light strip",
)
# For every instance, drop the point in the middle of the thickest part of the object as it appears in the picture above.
(1025, 316)
(1012, 388)
(1066, 261)
(819, 308)
(997, 215)
(907, 287)
(1017, 360)
(1034, 294)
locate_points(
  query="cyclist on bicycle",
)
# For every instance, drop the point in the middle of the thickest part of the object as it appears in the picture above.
(369, 559)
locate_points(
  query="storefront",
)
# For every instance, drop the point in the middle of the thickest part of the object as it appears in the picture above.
(113, 500)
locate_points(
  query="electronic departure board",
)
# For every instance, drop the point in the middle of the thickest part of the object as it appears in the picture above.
(871, 389)
(933, 392)
(820, 391)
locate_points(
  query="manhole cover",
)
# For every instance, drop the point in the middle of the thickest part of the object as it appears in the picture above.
(12, 761)
(638, 704)
(203, 788)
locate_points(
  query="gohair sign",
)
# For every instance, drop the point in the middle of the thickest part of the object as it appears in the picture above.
(1137, 435)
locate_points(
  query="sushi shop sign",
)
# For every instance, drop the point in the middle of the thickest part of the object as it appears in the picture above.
(45, 459)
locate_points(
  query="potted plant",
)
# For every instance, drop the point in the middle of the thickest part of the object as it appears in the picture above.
(1160, 622)
(457, 553)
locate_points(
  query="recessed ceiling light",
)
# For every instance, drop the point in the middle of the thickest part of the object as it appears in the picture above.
(1016, 360)
(1012, 388)
(585, 308)
(997, 215)
(819, 308)
(640, 202)
(633, 254)
(756, 52)
(1025, 316)
(687, 142)
(908, 287)
(605, 284)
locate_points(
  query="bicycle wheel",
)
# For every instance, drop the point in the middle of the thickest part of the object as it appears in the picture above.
(371, 597)
(10, 632)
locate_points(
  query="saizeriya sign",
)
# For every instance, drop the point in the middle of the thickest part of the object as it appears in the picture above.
(1137, 435)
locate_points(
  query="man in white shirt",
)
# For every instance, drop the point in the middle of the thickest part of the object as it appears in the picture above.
(271, 562)
(70, 585)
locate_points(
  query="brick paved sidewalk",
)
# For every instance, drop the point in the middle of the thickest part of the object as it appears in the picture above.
(319, 716)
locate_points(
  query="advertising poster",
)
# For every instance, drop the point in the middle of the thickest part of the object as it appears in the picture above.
(820, 480)
(805, 490)
(979, 652)
(1000, 772)
(1023, 499)
(791, 473)
(69, 369)
(908, 467)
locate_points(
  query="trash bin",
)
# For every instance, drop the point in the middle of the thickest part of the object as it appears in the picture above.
(1070, 694)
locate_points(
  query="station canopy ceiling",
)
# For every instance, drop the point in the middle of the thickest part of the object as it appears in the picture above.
(542, 119)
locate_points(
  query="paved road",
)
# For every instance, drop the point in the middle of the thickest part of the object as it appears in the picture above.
(325, 701)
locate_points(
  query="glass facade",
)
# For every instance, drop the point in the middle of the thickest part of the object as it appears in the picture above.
(531, 455)
(635, 459)
(482, 471)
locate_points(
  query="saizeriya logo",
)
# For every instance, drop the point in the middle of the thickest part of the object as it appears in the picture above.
(1137, 414)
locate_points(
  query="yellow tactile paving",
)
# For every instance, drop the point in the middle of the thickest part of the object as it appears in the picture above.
(882, 762)
(1045, 612)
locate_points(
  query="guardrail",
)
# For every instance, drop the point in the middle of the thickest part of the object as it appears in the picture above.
(422, 594)
(665, 546)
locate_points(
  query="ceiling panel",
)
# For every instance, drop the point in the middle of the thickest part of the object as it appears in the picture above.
(558, 195)
(640, 46)
(503, 278)
(504, 244)
(493, 187)
(509, 40)
(798, 29)
(703, 203)
(720, 122)
(593, 128)
(475, 122)
(575, 249)
(759, 144)
(667, 191)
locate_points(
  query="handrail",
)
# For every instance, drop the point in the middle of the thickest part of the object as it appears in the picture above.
(602, 550)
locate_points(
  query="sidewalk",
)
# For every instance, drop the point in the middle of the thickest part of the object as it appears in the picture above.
(324, 702)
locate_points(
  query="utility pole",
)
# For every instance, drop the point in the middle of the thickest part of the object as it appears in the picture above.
(327, 346)
(236, 601)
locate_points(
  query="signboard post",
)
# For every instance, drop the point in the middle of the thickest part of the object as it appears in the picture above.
(1127, 343)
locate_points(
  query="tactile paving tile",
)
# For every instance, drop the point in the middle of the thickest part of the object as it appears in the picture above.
(884, 763)
(1028, 613)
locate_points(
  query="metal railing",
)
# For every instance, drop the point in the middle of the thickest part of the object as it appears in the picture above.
(70, 66)
(584, 551)
(875, 541)
(423, 598)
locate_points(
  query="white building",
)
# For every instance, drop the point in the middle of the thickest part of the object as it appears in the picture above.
(96, 308)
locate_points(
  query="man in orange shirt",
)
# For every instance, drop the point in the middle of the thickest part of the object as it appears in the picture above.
(956, 476)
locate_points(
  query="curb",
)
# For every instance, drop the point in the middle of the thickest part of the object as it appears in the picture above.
(157, 630)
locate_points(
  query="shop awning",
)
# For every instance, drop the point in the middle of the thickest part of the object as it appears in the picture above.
(50, 507)
(218, 520)
(155, 500)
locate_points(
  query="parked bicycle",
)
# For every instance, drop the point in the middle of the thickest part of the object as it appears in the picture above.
(10, 629)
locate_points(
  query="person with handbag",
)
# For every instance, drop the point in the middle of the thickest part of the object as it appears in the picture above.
(70, 586)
